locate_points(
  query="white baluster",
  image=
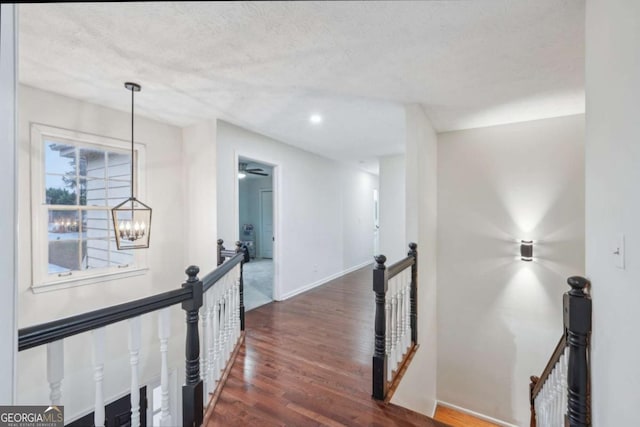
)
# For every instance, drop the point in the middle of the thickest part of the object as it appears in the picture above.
(392, 325)
(387, 335)
(134, 353)
(398, 324)
(221, 355)
(55, 370)
(236, 276)
(407, 311)
(236, 315)
(164, 332)
(208, 372)
(204, 354)
(400, 347)
(216, 334)
(98, 375)
(227, 321)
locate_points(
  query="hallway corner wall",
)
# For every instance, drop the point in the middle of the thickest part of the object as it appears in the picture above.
(393, 238)
(417, 390)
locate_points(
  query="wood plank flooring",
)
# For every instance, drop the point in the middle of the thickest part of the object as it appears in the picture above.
(458, 419)
(306, 361)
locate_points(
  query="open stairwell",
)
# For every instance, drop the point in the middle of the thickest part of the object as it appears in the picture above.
(306, 361)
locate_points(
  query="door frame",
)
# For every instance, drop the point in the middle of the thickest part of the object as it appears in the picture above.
(276, 187)
(260, 191)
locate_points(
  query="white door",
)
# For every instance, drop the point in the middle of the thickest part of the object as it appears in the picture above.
(266, 223)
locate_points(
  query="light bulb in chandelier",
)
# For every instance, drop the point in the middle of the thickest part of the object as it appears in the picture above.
(132, 233)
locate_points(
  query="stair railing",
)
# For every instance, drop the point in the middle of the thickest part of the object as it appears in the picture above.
(560, 396)
(216, 300)
(396, 321)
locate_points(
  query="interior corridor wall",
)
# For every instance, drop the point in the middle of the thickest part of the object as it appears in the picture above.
(165, 257)
(325, 208)
(613, 206)
(500, 318)
(417, 391)
(393, 240)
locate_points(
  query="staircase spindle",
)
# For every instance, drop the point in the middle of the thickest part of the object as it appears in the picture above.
(407, 310)
(210, 343)
(216, 334)
(134, 353)
(204, 348)
(98, 375)
(55, 370)
(164, 332)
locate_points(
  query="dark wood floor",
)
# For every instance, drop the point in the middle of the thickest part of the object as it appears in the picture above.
(307, 362)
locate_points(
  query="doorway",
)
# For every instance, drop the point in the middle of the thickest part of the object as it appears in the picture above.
(256, 223)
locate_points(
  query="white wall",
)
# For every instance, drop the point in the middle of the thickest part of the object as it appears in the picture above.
(393, 241)
(164, 193)
(417, 391)
(325, 208)
(613, 205)
(499, 318)
(249, 208)
(8, 286)
(199, 186)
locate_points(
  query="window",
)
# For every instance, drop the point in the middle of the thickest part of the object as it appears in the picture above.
(77, 179)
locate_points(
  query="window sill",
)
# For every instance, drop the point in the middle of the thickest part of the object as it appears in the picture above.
(71, 282)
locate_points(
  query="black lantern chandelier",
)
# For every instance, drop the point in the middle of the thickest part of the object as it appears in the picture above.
(132, 218)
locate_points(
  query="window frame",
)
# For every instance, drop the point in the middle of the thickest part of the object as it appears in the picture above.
(42, 280)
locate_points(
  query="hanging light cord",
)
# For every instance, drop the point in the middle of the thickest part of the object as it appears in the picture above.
(132, 180)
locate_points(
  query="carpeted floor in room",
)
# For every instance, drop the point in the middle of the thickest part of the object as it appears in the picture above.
(258, 283)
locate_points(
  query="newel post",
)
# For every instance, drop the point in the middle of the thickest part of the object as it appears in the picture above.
(239, 249)
(413, 252)
(577, 323)
(219, 251)
(192, 397)
(379, 355)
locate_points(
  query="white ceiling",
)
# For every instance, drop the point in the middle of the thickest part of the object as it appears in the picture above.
(268, 66)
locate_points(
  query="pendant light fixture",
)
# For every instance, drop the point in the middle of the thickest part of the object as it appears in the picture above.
(132, 218)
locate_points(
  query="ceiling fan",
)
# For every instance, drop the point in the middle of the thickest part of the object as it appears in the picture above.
(242, 168)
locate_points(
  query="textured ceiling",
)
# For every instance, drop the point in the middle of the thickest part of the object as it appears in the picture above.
(268, 65)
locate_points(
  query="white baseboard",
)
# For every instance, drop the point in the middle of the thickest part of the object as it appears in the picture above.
(323, 281)
(475, 414)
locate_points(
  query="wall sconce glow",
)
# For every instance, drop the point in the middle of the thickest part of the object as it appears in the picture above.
(241, 175)
(315, 119)
(526, 250)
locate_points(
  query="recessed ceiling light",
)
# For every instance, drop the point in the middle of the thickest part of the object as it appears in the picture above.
(315, 119)
(241, 175)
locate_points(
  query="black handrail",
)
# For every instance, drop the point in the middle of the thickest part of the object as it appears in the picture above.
(34, 336)
(400, 266)
(190, 295)
(212, 278)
